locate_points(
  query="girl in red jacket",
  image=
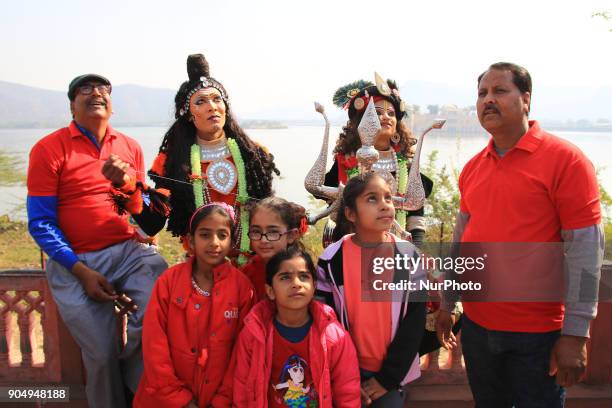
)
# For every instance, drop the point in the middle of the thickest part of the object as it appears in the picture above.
(292, 351)
(275, 224)
(194, 314)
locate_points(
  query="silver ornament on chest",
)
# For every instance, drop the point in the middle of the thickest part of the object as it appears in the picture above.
(222, 176)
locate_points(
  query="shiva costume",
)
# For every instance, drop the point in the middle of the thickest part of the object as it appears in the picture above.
(189, 172)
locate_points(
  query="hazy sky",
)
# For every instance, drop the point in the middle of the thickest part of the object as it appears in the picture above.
(271, 54)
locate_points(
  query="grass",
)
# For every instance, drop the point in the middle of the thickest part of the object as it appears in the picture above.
(19, 251)
(10, 169)
(17, 248)
(170, 248)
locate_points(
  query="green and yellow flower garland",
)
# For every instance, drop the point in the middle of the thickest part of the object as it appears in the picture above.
(196, 176)
(402, 185)
(241, 199)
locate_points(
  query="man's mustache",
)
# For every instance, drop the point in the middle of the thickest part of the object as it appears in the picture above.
(490, 108)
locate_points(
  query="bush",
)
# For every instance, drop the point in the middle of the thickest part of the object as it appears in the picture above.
(443, 203)
(312, 240)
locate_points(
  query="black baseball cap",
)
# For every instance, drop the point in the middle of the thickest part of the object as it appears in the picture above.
(81, 79)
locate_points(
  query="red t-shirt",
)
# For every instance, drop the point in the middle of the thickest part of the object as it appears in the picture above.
(66, 164)
(541, 186)
(291, 382)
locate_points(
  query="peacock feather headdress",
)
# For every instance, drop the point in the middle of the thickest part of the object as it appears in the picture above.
(344, 94)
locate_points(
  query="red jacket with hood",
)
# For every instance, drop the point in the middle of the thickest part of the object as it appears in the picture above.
(333, 360)
(186, 353)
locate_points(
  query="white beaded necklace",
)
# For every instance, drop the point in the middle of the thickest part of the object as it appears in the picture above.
(199, 289)
(213, 151)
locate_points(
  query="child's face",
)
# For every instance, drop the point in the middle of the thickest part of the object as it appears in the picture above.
(374, 207)
(269, 222)
(292, 286)
(211, 241)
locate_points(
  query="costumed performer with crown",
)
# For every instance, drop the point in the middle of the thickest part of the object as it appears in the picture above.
(205, 157)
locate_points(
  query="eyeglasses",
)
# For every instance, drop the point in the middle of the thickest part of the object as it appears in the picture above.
(270, 236)
(88, 89)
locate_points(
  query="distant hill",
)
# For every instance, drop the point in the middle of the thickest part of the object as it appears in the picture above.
(135, 105)
(25, 106)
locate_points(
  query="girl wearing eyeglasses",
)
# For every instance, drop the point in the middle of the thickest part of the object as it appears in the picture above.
(275, 224)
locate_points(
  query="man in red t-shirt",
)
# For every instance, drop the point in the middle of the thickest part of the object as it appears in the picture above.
(95, 257)
(531, 189)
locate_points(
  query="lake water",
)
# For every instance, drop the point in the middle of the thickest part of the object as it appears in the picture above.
(296, 148)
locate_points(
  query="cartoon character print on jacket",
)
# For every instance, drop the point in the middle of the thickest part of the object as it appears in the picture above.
(294, 386)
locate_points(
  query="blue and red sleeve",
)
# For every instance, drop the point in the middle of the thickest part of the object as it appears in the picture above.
(46, 161)
(43, 226)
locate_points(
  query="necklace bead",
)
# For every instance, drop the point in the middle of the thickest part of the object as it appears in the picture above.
(198, 288)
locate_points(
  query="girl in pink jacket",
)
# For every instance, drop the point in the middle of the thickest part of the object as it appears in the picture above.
(292, 352)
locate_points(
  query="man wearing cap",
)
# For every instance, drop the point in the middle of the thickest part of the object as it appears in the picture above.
(537, 194)
(95, 257)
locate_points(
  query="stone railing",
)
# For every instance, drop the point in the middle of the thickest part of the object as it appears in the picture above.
(35, 346)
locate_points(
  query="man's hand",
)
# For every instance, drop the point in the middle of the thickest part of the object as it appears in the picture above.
(365, 398)
(568, 360)
(373, 389)
(444, 329)
(95, 284)
(115, 170)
